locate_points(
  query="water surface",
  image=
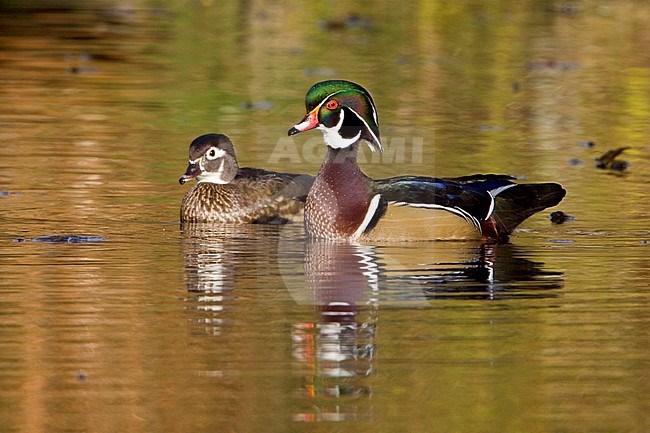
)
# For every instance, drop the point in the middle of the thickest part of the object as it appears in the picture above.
(142, 324)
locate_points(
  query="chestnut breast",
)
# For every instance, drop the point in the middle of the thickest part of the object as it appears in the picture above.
(338, 200)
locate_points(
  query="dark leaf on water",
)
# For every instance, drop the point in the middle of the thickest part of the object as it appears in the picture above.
(607, 159)
(66, 239)
(559, 217)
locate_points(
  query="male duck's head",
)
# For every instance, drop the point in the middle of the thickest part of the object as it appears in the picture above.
(344, 111)
(212, 160)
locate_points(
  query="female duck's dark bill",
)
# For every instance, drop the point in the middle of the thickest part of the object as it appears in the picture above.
(192, 171)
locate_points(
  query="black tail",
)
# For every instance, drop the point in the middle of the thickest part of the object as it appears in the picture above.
(515, 204)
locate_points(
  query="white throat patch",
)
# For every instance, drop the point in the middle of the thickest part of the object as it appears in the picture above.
(333, 138)
(212, 176)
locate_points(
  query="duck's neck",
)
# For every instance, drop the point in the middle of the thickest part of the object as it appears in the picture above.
(338, 200)
(346, 155)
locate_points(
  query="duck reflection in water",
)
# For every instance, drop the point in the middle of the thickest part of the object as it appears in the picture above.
(447, 270)
(335, 352)
(208, 275)
(218, 259)
(346, 284)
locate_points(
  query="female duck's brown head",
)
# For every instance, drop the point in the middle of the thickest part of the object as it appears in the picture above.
(212, 160)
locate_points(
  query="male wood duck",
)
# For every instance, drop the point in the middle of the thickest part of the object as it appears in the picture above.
(344, 203)
(226, 193)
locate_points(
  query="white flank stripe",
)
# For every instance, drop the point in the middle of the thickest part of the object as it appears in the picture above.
(372, 208)
(493, 193)
(455, 210)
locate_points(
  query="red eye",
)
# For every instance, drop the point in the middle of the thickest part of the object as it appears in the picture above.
(332, 104)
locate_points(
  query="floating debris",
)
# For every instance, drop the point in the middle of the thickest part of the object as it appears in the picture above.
(575, 161)
(82, 70)
(352, 21)
(261, 105)
(568, 8)
(619, 165)
(561, 241)
(608, 160)
(552, 65)
(63, 239)
(559, 217)
(80, 64)
(587, 144)
(489, 128)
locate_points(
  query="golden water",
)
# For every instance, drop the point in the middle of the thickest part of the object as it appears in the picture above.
(238, 329)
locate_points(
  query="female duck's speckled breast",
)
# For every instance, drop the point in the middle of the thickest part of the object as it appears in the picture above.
(246, 201)
(209, 202)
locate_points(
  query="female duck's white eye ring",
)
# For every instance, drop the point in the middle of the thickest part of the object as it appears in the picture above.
(214, 153)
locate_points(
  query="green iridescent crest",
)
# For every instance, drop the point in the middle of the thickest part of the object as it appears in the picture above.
(322, 90)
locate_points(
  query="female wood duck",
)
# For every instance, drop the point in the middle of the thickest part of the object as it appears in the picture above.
(226, 193)
(343, 203)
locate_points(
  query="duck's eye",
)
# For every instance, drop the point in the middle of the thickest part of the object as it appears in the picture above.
(332, 104)
(212, 153)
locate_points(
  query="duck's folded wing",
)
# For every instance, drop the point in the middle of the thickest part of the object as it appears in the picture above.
(419, 191)
(280, 185)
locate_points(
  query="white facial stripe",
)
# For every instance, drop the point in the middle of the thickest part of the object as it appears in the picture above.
(218, 153)
(213, 176)
(374, 116)
(330, 134)
(327, 97)
(332, 137)
(372, 145)
(306, 123)
(334, 140)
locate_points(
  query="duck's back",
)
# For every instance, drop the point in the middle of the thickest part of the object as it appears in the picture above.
(254, 196)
